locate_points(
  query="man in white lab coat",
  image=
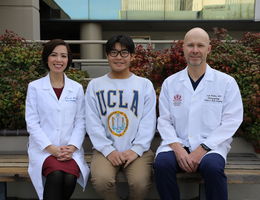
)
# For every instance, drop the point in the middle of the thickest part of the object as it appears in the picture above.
(200, 110)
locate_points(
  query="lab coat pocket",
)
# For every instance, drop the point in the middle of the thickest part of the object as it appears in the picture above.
(70, 109)
(211, 115)
(178, 114)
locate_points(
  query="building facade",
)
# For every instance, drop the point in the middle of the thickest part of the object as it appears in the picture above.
(141, 19)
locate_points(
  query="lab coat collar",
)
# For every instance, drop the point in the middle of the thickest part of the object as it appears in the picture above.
(47, 82)
(184, 77)
(208, 74)
(67, 86)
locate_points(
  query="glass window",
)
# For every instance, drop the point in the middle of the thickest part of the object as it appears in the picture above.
(157, 9)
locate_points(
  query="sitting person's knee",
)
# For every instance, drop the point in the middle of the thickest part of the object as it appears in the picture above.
(103, 181)
(212, 163)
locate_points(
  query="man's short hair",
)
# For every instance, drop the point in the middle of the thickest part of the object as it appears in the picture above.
(124, 40)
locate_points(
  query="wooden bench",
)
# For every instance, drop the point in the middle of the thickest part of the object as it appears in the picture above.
(241, 168)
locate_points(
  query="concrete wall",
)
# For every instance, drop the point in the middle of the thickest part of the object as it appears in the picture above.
(257, 10)
(20, 16)
(91, 31)
(169, 35)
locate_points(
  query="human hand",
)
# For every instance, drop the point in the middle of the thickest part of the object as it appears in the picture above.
(182, 157)
(129, 156)
(66, 152)
(116, 158)
(53, 150)
(195, 157)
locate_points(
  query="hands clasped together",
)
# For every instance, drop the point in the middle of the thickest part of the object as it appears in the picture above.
(62, 153)
(189, 162)
(122, 158)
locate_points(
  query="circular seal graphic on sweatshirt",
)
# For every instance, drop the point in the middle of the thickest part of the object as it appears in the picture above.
(117, 123)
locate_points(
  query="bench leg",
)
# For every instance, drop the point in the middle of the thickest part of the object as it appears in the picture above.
(202, 195)
(2, 191)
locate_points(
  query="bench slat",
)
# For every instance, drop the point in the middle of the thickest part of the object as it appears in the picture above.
(240, 168)
(13, 164)
(11, 171)
(14, 160)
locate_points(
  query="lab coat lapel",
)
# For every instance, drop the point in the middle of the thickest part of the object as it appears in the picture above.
(68, 88)
(209, 76)
(47, 86)
(185, 80)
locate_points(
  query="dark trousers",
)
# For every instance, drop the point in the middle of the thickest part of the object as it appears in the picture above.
(211, 169)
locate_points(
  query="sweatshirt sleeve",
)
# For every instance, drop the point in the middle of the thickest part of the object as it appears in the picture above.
(94, 126)
(147, 123)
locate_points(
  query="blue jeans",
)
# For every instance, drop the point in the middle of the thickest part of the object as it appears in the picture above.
(211, 169)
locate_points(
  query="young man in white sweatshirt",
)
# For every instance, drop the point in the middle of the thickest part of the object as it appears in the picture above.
(120, 121)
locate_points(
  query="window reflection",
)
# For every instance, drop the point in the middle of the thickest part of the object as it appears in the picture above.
(157, 9)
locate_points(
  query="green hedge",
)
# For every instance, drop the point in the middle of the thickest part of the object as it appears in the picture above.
(20, 63)
(239, 58)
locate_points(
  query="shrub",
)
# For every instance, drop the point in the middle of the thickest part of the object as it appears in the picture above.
(238, 58)
(20, 63)
(78, 75)
(18, 66)
(241, 59)
(158, 65)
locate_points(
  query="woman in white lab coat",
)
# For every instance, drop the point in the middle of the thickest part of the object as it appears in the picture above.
(55, 122)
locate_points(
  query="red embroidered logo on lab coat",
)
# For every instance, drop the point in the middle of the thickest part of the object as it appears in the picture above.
(177, 100)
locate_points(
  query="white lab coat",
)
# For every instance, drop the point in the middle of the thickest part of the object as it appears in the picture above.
(52, 121)
(211, 114)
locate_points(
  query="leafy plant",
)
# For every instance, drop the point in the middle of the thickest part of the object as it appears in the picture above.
(20, 63)
(239, 58)
(158, 65)
(78, 75)
(18, 66)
